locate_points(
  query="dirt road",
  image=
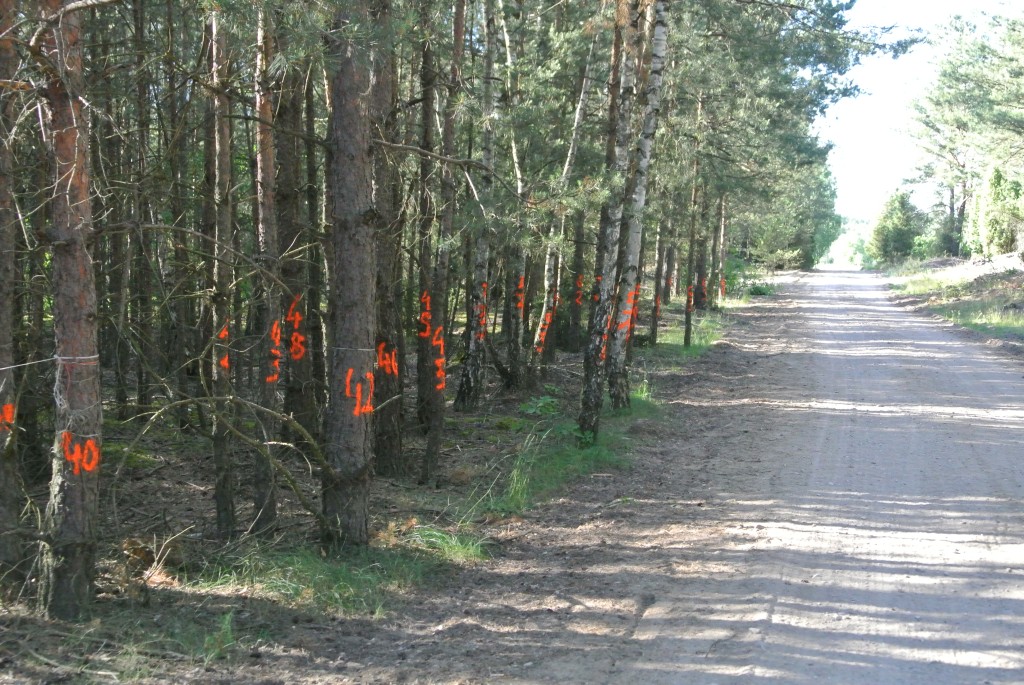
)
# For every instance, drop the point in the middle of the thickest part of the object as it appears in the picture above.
(837, 497)
(872, 520)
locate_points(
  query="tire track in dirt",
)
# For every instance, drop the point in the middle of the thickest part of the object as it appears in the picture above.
(871, 517)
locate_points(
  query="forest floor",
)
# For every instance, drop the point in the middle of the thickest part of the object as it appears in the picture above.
(823, 496)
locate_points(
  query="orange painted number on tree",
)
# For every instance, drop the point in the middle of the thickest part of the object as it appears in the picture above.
(84, 457)
(579, 289)
(364, 399)
(275, 352)
(294, 317)
(521, 293)
(7, 417)
(425, 315)
(387, 361)
(224, 362)
(297, 346)
(438, 342)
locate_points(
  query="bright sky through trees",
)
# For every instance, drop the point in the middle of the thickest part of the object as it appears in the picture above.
(874, 150)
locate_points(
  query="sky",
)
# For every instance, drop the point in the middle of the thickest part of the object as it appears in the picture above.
(874, 150)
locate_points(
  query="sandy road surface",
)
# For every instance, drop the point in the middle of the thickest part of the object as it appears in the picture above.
(871, 525)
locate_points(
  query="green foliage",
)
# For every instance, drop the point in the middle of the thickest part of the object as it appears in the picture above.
(547, 462)
(760, 289)
(356, 581)
(545, 405)
(217, 643)
(999, 221)
(894, 234)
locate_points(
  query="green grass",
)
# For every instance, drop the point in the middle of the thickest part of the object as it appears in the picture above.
(549, 460)
(988, 304)
(671, 350)
(357, 580)
(985, 317)
(932, 285)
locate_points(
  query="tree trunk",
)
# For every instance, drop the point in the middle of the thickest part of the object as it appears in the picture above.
(426, 394)
(717, 278)
(515, 260)
(439, 282)
(690, 254)
(264, 481)
(579, 293)
(671, 266)
(142, 270)
(11, 552)
(595, 353)
(659, 280)
(389, 458)
(224, 486)
(352, 293)
(179, 343)
(71, 519)
(472, 380)
(629, 278)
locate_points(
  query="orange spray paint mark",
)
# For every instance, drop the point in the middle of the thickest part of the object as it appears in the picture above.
(7, 417)
(542, 335)
(627, 311)
(363, 400)
(294, 317)
(481, 313)
(425, 315)
(387, 361)
(438, 342)
(297, 342)
(275, 352)
(224, 362)
(84, 458)
(297, 348)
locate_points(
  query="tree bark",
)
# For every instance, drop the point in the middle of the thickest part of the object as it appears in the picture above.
(426, 395)
(472, 380)
(264, 481)
(439, 282)
(690, 254)
(629, 278)
(11, 499)
(389, 458)
(659, 279)
(352, 293)
(513, 322)
(224, 486)
(595, 353)
(579, 293)
(71, 518)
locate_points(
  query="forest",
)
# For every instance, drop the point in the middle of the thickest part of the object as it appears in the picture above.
(307, 235)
